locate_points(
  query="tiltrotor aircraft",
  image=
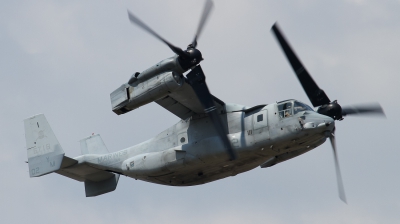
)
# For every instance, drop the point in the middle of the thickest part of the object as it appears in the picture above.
(213, 139)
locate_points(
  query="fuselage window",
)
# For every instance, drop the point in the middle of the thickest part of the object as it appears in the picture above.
(285, 109)
(260, 118)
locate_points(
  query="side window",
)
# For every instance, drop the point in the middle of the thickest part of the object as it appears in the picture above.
(285, 109)
(260, 120)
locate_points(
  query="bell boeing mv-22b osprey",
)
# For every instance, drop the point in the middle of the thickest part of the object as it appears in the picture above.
(213, 139)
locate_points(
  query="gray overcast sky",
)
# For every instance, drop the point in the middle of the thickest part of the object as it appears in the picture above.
(63, 58)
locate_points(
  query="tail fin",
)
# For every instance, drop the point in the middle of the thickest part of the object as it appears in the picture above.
(93, 145)
(93, 189)
(45, 154)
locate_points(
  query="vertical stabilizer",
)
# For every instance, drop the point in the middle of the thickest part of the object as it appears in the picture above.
(93, 145)
(93, 189)
(45, 154)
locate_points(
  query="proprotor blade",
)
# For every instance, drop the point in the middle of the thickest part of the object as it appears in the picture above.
(316, 95)
(197, 80)
(342, 195)
(138, 22)
(372, 109)
(207, 9)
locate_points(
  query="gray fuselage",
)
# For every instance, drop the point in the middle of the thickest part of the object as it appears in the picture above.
(191, 153)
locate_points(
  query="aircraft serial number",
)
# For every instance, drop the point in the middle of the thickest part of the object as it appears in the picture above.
(40, 150)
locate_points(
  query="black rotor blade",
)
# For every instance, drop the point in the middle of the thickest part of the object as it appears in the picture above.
(204, 16)
(372, 109)
(342, 195)
(316, 95)
(197, 80)
(138, 22)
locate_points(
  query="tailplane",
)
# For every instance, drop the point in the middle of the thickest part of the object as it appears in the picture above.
(45, 156)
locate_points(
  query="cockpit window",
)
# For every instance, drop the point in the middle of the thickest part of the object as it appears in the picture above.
(291, 107)
(285, 109)
(299, 107)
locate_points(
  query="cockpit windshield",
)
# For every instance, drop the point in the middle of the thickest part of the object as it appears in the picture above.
(299, 107)
(291, 107)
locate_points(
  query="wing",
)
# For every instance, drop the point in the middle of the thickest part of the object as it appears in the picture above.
(184, 102)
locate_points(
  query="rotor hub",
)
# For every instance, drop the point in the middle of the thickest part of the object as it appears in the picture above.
(192, 57)
(333, 110)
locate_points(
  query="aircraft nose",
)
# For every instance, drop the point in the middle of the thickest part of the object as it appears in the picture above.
(328, 122)
(320, 122)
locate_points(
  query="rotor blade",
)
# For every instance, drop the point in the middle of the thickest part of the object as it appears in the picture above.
(138, 22)
(373, 108)
(316, 95)
(197, 80)
(204, 16)
(342, 195)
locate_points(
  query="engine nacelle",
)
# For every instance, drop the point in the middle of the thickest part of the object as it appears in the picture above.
(154, 163)
(127, 98)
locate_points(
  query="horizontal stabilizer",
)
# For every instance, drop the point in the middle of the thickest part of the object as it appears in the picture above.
(85, 172)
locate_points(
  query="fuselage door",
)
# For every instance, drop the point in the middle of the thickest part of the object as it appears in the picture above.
(260, 126)
(260, 120)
